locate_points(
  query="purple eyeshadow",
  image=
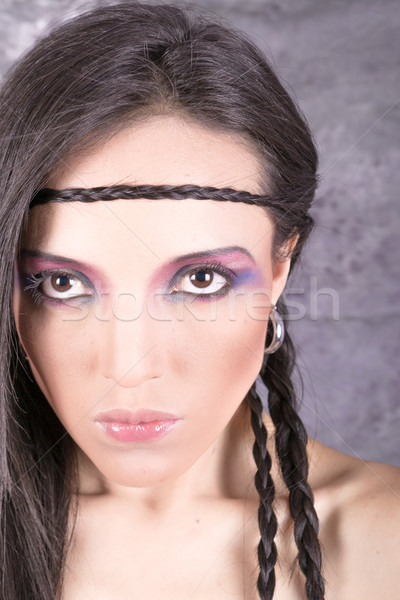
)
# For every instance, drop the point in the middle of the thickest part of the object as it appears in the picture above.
(230, 260)
(247, 277)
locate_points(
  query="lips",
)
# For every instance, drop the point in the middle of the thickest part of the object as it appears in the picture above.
(139, 426)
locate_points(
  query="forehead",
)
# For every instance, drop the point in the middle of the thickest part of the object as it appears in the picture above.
(164, 150)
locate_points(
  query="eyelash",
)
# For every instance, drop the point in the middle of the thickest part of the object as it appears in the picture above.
(35, 280)
(215, 266)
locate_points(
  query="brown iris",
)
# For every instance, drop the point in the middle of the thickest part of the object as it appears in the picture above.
(61, 282)
(202, 277)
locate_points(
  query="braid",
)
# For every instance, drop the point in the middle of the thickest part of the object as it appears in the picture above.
(265, 487)
(152, 192)
(290, 441)
(278, 205)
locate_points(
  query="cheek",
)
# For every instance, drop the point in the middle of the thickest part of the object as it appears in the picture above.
(57, 348)
(224, 348)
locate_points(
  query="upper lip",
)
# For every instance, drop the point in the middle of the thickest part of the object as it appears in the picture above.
(133, 417)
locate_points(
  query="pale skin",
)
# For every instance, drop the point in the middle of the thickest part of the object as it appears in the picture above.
(176, 518)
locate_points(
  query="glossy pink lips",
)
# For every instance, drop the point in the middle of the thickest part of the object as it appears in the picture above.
(139, 426)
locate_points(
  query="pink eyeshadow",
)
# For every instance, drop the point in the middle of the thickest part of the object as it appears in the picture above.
(231, 260)
(33, 264)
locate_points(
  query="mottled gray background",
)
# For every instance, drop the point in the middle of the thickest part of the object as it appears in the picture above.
(340, 58)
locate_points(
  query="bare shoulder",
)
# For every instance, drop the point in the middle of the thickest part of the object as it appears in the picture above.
(358, 503)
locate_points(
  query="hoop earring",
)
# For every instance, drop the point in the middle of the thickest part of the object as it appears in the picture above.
(278, 332)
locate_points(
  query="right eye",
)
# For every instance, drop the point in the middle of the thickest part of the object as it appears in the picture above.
(57, 285)
(63, 286)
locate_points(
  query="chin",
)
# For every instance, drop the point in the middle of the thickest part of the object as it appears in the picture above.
(129, 474)
(141, 479)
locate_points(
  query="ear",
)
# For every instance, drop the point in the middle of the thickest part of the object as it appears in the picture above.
(281, 269)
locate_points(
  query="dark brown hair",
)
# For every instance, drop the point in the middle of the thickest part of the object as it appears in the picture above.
(93, 75)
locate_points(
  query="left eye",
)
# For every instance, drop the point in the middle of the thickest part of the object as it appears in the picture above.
(63, 286)
(200, 279)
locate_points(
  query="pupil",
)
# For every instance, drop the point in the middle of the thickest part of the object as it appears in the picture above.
(202, 277)
(61, 282)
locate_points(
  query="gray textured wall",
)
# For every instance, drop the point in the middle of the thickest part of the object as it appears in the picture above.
(341, 60)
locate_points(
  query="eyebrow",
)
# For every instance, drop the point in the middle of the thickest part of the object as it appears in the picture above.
(25, 253)
(193, 255)
(213, 252)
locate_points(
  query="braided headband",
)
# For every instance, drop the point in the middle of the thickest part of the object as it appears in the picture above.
(152, 192)
(155, 192)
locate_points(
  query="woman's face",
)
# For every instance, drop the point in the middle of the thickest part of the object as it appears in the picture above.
(134, 306)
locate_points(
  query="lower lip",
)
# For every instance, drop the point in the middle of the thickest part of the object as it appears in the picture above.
(138, 432)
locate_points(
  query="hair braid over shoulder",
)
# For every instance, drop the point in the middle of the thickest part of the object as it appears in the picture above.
(267, 522)
(290, 443)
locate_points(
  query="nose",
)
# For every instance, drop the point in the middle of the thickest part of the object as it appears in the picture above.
(132, 352)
